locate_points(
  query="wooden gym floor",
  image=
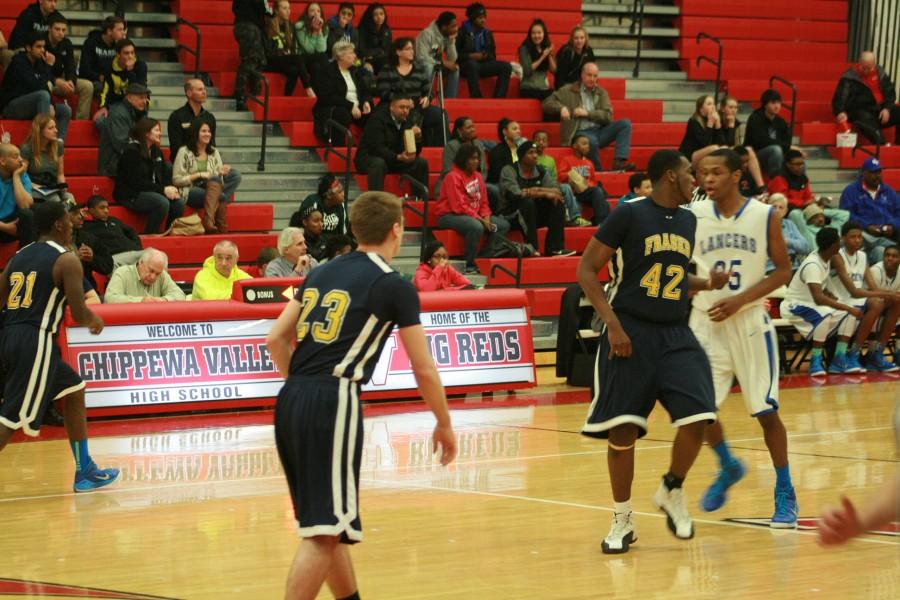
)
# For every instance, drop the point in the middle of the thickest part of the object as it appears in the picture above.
(202, 509)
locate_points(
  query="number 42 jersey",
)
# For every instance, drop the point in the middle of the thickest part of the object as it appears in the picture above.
(739, 244)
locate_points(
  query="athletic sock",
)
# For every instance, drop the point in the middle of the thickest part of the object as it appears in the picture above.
(622, 508)
(853, 348)
(353, 596)
(724, 454)
(80, 452)
(671, 482)
(840, 348)
(783, 477)
(817, 351)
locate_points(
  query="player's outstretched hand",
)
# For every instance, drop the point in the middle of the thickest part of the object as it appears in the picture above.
(96, 325)
(444, 439)
(619, 342)
(838, 525)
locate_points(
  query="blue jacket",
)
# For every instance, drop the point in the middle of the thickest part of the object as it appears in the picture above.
(884, 209)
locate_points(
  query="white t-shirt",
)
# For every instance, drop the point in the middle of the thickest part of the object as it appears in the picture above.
(856, 268)
(883, 280)
(351, 96)
(812, 270)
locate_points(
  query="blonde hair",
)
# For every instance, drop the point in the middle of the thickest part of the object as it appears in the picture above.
(373, 215)
(340, 48)
(37, 142)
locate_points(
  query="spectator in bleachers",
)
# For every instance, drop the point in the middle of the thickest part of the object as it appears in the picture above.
(181, 119)
(464, 207)
(510, 135)
(573, 208)
(816, 216)
(144, 178)
(704, 131)
(436, 49)
(293, 260)
(572, 57)
(866, 97)
(768, 134)
(43, 151)
(748, 183)
(99, 50)
(215, 280)
(584, 107)
(876, 206)
(530, 195)
(328, 200)
(249, 33)
(340, 26)
(639, 186)
(310, 36)
(537, 60)
(577, 171)
(60, 55)
(402, 76)
(382, 149)
(115, 239)
(436, 274)
(203, 178)
(375, 38)
(32, 20)
(114, 127)
(477, 54)
(94, 257)
(338, 245)
(281, 49)
(792, 182)
(125, 69)
(342, 93)
(16, 218)
(464, 132)
(313, 231)
(146, 281)
(733, 134)
(265, 256)
(797, 246)
(25, 89)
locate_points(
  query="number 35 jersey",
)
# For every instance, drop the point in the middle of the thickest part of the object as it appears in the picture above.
(350, 306)
(649, 272)
(34, 299)
(739, 244)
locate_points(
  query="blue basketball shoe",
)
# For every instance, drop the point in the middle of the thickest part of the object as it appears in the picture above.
(93, 478)
(877, 362)
(715, 496)
(816, 367)
(786, 508)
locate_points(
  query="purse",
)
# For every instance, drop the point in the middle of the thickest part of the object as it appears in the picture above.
(189, 225)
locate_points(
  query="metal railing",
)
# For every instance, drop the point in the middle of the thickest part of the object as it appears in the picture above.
(637, 22)
(195, 51)
(872, 25)
(422, 214)
(517, 276)
(264, 103)
(717, 63)
(793, 105)
(350, 142)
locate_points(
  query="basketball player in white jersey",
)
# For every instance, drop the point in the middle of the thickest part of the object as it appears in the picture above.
(850, 280)
(739, 235)
(887, 277)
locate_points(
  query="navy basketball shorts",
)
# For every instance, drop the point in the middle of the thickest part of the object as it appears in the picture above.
(35, 375)
(319, 435)
(666, 364)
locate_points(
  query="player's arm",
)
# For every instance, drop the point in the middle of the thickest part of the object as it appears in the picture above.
(716, 281)
(431, 388)
(780, 276)
(595, 257)
(839, 525)
(823, 299)
(4, 287)
(840, 267)
(282, 337)
(874, 289)
(67, 270)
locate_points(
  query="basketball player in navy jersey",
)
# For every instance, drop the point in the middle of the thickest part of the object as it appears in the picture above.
(647, 352)
(340, 319)
(740, 235)
(34, 289)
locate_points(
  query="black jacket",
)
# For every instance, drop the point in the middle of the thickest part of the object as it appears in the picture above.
(761, 132)
(102, 262)
(465, 43)
(569, 64)
(180, 121)
(375, 45)
(22, 77)
(852, 95)
(331, 89)
(138, 174)
(113, 236)
(96, 56)
(698, 136)
(499, 156)
(250, 11)
(30, 19)
(382, 138)
(64, 67)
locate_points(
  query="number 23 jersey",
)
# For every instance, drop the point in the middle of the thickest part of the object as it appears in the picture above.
(649, 272)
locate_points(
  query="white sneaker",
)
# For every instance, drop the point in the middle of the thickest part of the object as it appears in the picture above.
(621, 534)
(672, 503)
